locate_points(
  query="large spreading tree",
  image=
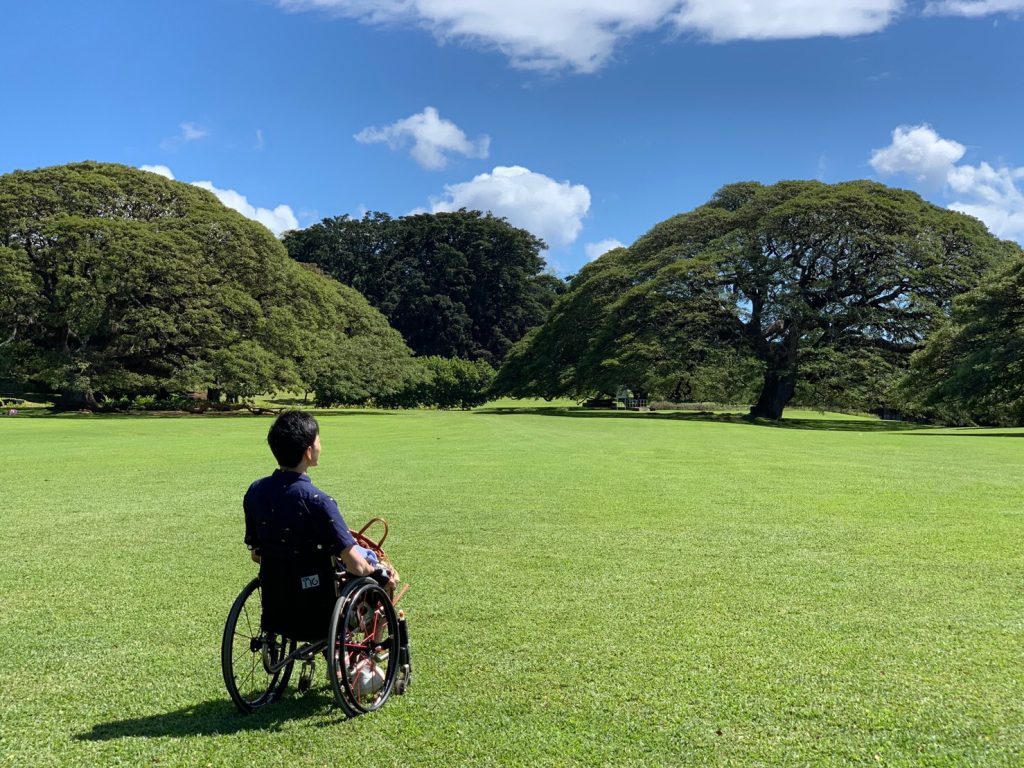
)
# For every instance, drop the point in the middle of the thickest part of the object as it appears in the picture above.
(461, 284)
(117, 281)
(762, 289)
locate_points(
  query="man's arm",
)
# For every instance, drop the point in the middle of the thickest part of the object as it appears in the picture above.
(355, 563)
(358, 565)
(346, 550)
(249, 537)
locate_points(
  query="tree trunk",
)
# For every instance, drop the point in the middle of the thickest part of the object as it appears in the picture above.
(678, 395)
(776, 392)
(76, 399)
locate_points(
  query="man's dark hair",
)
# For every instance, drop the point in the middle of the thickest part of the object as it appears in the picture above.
(290, 435)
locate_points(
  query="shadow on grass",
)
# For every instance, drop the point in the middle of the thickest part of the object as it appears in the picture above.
(822, 425)
(218, 717)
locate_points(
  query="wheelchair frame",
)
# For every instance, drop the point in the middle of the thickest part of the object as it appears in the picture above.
(363, 671)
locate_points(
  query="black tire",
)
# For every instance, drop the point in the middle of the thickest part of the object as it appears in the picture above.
(363, 648)
(246, 650)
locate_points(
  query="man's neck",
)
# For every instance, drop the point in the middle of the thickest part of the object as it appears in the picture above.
(298, 468)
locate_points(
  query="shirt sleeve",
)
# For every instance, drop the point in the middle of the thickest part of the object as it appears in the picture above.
(247, 509)
(337, 530)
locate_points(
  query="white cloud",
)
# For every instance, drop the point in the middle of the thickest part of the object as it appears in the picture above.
(551, 210)
(973, 8)
(259, 138)
(582, 35)
(920, 152)
(277, 220)
(992, 194)
(594, 250)
(161, 170)
(433, 138)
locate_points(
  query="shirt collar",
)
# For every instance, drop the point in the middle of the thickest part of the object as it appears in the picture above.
(291, 477)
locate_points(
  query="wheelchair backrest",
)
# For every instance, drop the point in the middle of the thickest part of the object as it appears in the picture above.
(298, 596)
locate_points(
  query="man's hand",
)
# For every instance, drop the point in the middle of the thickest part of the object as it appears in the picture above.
(386, 577)
(355, 563)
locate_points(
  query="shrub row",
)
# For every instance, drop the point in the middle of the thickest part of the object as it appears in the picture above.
(443, 382)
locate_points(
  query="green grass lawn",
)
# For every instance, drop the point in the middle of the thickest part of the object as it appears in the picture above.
(586, 589)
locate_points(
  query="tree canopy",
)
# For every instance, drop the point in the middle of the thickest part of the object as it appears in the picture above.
(115, 280)
(462, 284)
(972, 369)
(759, 291)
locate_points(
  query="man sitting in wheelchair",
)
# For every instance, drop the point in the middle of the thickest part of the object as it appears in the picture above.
(296, 533)
(293, 523)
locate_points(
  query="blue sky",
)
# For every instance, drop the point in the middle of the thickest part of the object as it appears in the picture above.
(585, 121)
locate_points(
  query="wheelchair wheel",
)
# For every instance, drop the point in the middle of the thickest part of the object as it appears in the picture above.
(249, 657)
(363, 643)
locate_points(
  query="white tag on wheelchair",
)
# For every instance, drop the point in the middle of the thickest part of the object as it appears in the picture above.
(308, 582)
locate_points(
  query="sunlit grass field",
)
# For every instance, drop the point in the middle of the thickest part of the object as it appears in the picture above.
(587, 589)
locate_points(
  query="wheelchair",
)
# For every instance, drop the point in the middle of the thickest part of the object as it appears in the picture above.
(366, 648)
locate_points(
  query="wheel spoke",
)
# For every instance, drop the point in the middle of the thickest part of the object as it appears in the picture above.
(252, 674)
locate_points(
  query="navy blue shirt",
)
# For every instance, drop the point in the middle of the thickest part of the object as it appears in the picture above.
(290, 519)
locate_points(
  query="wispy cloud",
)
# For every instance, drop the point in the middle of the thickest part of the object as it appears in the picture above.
(192, 132)
(973, 8)
(187, 132)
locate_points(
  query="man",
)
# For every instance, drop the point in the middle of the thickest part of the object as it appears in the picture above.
(296, 532)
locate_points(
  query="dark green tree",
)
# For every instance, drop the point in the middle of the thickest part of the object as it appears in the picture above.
(461, 284)
(19, 304)
(116, 281)
(796, 278)
(972, 369)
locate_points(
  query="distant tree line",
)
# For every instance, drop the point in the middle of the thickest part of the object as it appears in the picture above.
(123, 288)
